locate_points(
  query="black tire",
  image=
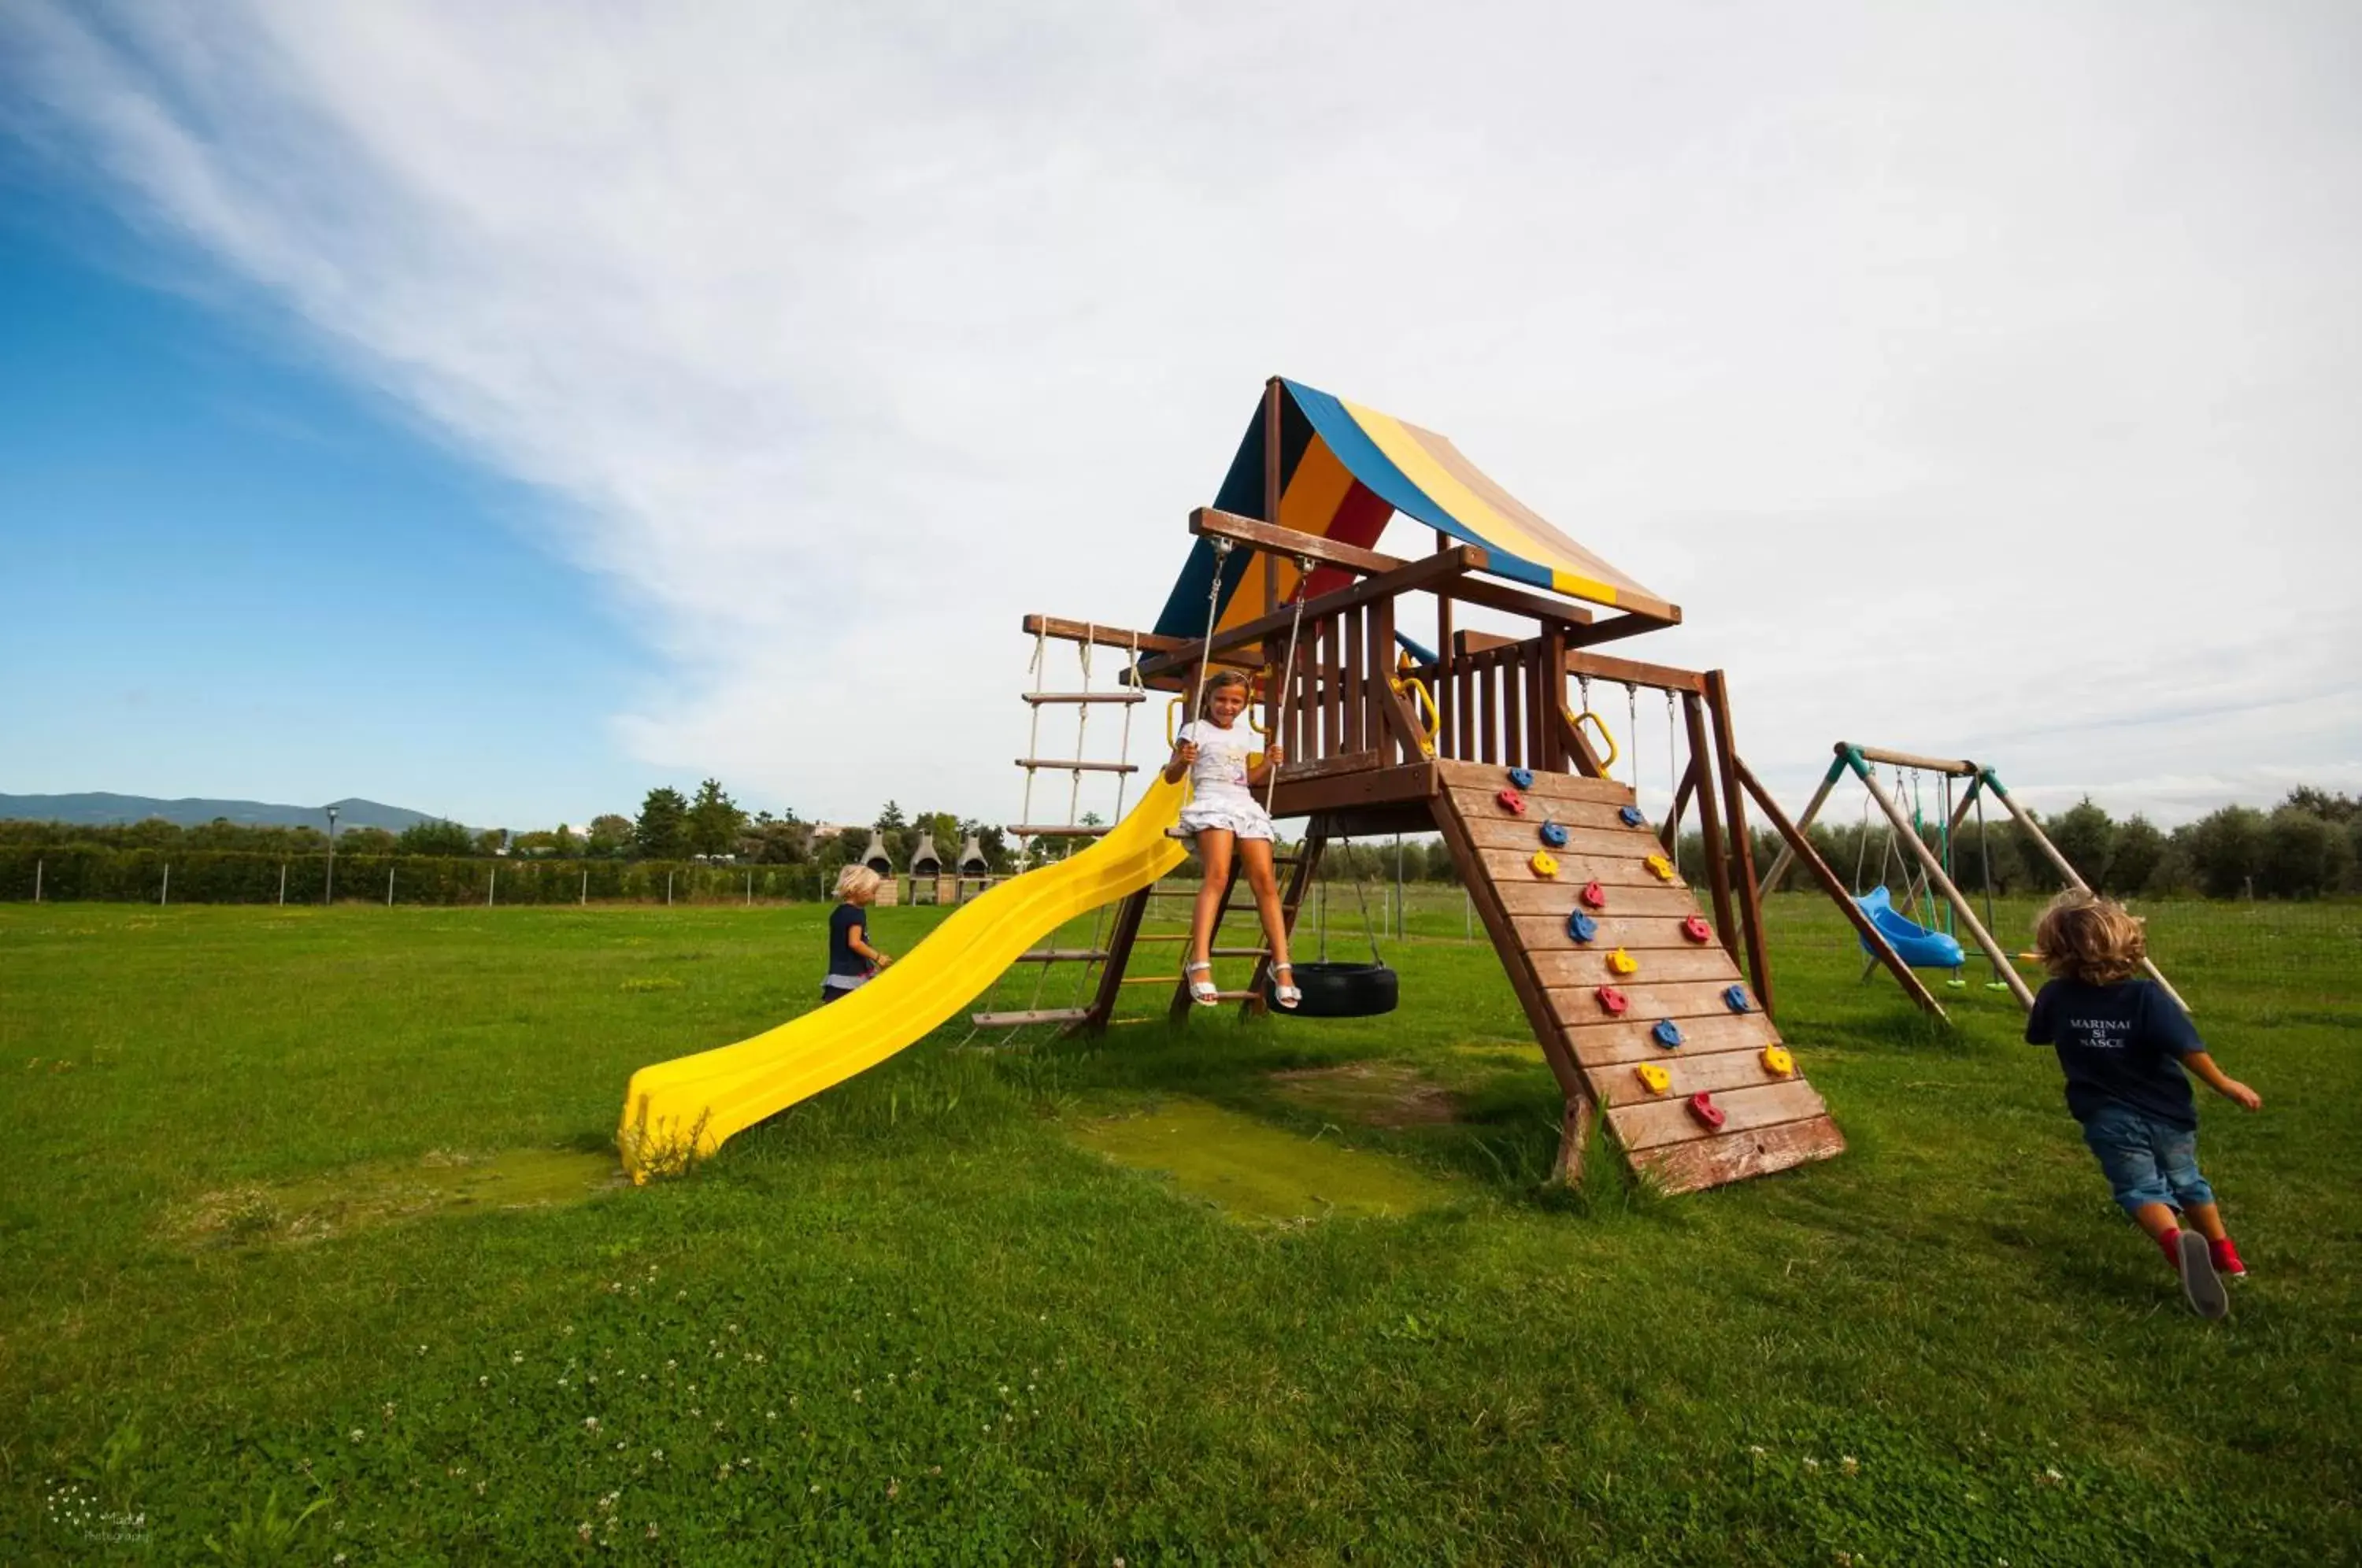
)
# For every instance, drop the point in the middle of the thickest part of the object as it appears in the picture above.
(1339, 991)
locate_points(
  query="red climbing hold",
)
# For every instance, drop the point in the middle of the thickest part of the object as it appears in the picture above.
(1696, 929)
(1612, 1000)
(1594, 895)
(1512, 801)
(1709, 1114)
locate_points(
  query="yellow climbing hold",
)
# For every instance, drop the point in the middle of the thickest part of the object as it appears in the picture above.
(1662, 866)
(1623, 963)
(1777, 1062)
(1653, 1078)
(1544, 863)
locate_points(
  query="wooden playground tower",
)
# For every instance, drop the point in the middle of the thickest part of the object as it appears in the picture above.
(1363, 759)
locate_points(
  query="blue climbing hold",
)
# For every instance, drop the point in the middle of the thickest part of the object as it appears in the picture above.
(1521, 777)
(1554, 835)
(1581, 926)
(1632, 817)
(1735, 999)
(1667, 1034)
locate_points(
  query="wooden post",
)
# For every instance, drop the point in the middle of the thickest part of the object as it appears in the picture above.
(166, 896)
(1810, 858)
(1935, 874)
(389, 886)
(1669, 832)
(1549, 700)
(41, 866)
(1444, 704)
(1127, 916)
(1718, 869)
(1742, 847)
(1811, 808)
(2025, 821)
(282, 884)
(1291, 899)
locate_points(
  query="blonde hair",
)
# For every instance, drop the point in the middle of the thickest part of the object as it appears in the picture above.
(1216, 682)
(2082, 936)
(859, 884)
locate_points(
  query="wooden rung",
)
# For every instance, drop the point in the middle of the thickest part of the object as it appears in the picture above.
(1062, 955)
(1055, 830)
(1240, 952)
(1086, 696)
(1161, 936)
(1063, 765)
(1037, 1015)
(1150, 980)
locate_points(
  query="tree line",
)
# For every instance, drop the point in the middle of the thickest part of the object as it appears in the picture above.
(703, 844)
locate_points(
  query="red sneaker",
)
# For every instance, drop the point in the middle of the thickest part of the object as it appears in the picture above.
(2225, 1253)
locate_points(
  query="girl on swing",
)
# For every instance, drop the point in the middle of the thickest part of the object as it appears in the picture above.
(1223, 818)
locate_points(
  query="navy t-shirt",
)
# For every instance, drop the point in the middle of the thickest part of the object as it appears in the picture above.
(843, 921)
(2122, 1043)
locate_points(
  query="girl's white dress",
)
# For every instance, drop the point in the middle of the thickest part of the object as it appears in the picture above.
(1220, 796)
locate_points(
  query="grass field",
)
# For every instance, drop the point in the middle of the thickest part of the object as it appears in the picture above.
(310, 1258)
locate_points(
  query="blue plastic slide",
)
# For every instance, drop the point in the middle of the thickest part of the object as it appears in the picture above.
(1913, 943)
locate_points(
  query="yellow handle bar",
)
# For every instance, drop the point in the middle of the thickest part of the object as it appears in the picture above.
(1577, 720)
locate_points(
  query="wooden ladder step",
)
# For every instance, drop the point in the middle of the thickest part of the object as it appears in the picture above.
(1086, 696)
(1055, 830)
(1033, 1015)
(1065, 765)
(1062, 955)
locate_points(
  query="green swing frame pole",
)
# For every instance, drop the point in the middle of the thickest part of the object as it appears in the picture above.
(1811, 808)
(1934, 870)
(2074, 880)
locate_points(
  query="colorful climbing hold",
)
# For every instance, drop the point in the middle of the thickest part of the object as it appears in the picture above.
(1612, 1000)
(1623, 963)
(1667, 1034)
(1554, 834)
(1544, 863)
(1735, 999)
(1778, 1063)
(1594, 895)
(1581, 926)
(1696, 929)
(1653, 1076)
(1632, 817)
(1709, 1115)
(1512, 801)
(1662, 866)
(1522, 778)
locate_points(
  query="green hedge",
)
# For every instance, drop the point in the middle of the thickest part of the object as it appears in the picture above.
(90, 871)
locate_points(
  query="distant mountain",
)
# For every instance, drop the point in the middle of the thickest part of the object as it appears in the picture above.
(99, 810)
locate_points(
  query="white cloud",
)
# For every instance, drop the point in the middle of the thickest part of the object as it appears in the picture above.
(1977, 378)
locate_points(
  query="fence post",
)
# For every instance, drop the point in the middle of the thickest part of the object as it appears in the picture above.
(492, 882)
(668, 889)
(166, 896)
(37, 865)
(586, 889)
(750, 890)
(389, 886)
(282, 884)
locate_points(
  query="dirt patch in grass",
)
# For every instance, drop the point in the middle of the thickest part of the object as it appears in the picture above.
(1254, 1172)
(361, 1198)
(1382, 1094)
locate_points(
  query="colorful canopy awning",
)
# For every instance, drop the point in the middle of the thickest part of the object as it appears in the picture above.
(1344, 471)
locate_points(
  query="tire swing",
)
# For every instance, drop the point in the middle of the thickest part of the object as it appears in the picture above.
(1342, 990)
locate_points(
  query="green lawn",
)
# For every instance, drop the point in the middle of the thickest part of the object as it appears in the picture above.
(934, 1316)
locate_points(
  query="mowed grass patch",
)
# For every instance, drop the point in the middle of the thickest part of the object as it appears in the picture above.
(930, 1326)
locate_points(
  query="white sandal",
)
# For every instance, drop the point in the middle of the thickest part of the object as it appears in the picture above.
(1284, 992)
(1202, 992)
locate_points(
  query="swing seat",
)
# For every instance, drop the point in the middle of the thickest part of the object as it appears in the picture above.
(1913, 943)
(1339, 990)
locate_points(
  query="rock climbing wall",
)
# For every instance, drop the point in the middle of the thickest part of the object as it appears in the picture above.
(1630, 988)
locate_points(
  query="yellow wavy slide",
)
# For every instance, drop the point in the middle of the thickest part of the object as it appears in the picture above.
(681, 1110)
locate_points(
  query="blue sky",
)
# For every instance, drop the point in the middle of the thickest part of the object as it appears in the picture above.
(234, 573)
(668, 400)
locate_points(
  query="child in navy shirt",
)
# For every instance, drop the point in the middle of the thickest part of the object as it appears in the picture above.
(2125, 1047)
(852, 958)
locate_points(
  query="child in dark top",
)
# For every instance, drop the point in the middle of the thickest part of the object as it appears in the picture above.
(852, 960)
(2124, 1047)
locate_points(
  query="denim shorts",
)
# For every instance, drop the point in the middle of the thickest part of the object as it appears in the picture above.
(2146, 1160)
